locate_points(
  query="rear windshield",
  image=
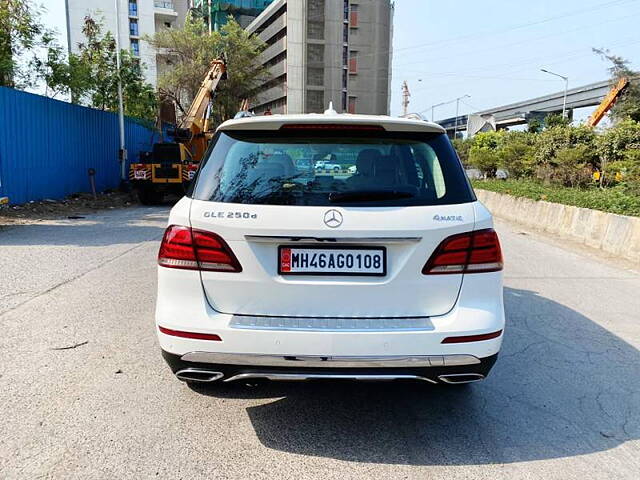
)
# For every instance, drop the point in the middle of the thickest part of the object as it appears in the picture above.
(348, 168)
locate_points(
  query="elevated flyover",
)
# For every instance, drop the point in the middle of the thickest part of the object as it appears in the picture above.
(519, 113)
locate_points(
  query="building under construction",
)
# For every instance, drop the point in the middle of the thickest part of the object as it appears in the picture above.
(321, 51)
(216, 12)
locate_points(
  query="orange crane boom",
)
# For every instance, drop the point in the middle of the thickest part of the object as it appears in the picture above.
(196, 121)
(608, 102)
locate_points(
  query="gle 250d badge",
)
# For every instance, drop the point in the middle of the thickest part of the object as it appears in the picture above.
(244, 215)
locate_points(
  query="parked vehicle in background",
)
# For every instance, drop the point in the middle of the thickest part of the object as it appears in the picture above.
(322, 164)
(392, 271)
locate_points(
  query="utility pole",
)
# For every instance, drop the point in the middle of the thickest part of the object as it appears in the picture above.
(433, 118)
(566, 87)
(455, 130)
(210, 16)
(405, 98)
(122, 155)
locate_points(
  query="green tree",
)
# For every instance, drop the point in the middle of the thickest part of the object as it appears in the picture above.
(188, 53)
(62, 74)
(556, 120)
(628, 105)
(92, 77)
(22, 35)
(534, 126)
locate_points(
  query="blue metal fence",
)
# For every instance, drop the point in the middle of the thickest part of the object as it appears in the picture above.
(47, 146)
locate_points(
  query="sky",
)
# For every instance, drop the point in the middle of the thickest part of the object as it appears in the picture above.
(492, 50)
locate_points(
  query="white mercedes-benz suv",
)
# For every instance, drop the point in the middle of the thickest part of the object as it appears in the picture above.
(389, 270)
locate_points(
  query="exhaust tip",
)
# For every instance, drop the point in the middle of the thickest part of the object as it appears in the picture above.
(456, 378)
(198, 375)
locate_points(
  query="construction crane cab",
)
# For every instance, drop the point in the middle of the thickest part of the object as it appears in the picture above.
(170, 166)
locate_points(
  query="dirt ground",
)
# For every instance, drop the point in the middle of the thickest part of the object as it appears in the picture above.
(71, 207)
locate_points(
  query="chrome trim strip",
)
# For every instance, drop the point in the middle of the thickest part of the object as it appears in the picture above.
(184, 375)
(346, 240)
(329, 324)
(451, 378)
(323, 376)
(330, 361)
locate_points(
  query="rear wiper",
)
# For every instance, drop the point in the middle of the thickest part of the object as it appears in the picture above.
(368, 195)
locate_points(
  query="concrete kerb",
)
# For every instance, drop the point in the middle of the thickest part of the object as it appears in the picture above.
(618, 235)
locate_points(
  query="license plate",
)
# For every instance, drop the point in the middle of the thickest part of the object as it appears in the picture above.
(140, 175)
(370, 261)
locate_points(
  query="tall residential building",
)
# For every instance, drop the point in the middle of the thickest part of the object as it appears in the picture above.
(137, 17)
(326, 50)
(216, 12)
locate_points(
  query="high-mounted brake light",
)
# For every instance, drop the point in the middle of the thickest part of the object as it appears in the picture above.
(469, 252)
(191, 249)
(331, 126)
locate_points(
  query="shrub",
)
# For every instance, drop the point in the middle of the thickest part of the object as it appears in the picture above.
(484, 152)
(619, 151)
(561, 155)
(555, 139)
(485, 160)
(489, 140)
(517, 154)
(573, 166)
(614, 200)
(462, 146)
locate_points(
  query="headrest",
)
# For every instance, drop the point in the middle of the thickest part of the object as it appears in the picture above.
(366, 161)
(284, 161)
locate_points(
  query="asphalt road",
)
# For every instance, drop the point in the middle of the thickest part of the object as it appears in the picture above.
(563, 401)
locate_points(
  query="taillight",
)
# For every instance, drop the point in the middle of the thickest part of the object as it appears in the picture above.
(469, 252)
(191, 249)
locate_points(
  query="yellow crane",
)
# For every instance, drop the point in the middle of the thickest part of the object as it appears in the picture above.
(608, 102)
(170, 166)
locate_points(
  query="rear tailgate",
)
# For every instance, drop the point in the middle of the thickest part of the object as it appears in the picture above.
(408, 235)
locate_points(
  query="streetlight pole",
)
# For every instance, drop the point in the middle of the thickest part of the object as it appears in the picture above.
(123, 151)
(433, 118)
(455, 130)
(566, 87)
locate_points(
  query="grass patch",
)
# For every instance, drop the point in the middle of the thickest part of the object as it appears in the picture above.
(613, 200)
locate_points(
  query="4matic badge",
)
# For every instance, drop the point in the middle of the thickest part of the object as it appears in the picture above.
(448, 218)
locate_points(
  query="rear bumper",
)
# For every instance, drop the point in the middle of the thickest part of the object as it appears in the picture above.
(203, 366)
(478, 310)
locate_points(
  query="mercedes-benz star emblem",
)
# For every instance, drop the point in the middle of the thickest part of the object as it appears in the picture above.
(332, 218)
